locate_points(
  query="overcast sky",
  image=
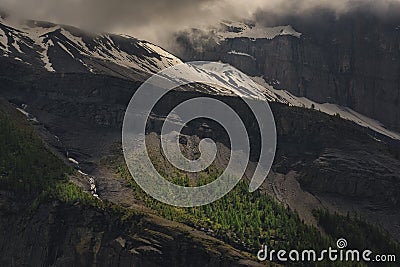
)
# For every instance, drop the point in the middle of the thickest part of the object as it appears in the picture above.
(155, 20)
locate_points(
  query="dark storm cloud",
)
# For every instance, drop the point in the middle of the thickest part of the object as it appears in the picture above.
(104, 13)
(142, 18)
(157, 19)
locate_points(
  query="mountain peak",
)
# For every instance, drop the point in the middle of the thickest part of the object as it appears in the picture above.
(61, 48)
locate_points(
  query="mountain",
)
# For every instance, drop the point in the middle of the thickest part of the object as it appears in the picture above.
(52, 222)
(65, 49)
(350, 60)
(325, 161)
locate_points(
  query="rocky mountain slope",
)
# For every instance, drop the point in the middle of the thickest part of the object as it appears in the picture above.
(339, 165)
(52, 222)
(351, 60)
(83, 122)
(65, 49)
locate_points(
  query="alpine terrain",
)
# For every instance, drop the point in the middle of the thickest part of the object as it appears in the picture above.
(68, 199)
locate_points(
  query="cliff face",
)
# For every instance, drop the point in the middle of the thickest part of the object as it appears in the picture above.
(353, 61)
(335, 159)
(59, 234)
(46, 220)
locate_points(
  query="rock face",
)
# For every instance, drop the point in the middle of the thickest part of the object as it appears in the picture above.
(58, 234)
(336, 160)
(353, 61)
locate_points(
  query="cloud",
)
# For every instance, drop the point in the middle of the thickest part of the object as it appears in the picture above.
(147, 18)
(155, 20)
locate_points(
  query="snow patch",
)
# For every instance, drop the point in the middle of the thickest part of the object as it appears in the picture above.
(26, 114)
(254, 31)
(44, 54)
(74, 161)
(167, 59)
(3, 40)
(65, 49)
(23, 112)
(233, 52)
(17, 47)
(81, 172)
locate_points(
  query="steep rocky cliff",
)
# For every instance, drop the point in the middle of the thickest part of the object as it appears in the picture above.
(353, 60)
(59, 234)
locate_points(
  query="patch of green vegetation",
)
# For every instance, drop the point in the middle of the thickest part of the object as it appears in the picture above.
(358, 233)
(25, 165)
(242, 219)
(29, 170)
(247, 220)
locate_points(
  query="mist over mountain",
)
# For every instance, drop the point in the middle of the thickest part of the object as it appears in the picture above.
(350, 59)
(330, 71)
(157, 22)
